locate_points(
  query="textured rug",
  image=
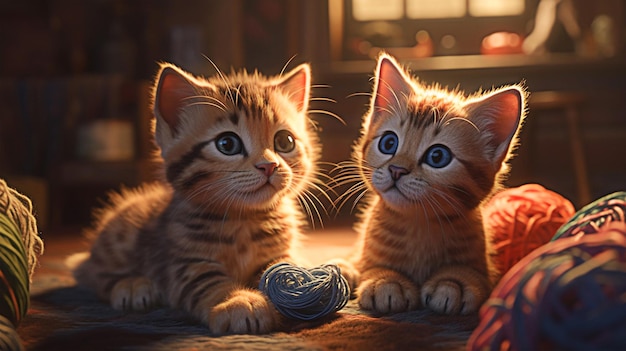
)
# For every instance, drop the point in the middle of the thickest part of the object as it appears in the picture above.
(65, 317)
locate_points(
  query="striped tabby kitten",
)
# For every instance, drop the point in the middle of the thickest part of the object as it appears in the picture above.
(430, 157)
(238, 152)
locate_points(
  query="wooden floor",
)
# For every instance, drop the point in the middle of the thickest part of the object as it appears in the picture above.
(317, 246)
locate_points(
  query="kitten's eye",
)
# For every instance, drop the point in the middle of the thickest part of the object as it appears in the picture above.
(284, 141)
(438, 156)
(229, 143)
(388, 143)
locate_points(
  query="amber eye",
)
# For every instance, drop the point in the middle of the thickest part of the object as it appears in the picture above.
(284, 141)
(229, 143)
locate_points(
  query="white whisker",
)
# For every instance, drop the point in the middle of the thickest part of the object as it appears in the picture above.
(331, 114)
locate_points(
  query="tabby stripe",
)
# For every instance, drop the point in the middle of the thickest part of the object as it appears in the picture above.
(234, 118)
(264, 234)
(188, 261)
(392, 228)
(200, 293)
(278, 240)
(484, 182)
(195, 178)
(204, 281)
(453, 217)
(199, 223)
(209, 238)
(206, 216)
(177, 168)
(466, 197)
(389, 242)
(421, 121)
(195, 226)
(378, 251)
(192, 260)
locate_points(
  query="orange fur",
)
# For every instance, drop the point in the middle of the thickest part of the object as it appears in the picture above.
(238, 154)
(422, 242)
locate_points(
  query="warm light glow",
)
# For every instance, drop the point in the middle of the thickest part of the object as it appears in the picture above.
(484, 8)
(372, 10)
(435, 9)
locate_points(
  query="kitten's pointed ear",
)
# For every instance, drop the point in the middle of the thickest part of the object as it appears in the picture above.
(391, 87)
(499, 114)
(297, 85)
(172, 91)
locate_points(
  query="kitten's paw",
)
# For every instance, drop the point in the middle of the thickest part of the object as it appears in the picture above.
(388, 296)
(134, 294)
(244, 312)
(448, 296)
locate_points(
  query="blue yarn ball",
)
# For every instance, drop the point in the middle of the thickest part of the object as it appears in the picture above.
(305, 294)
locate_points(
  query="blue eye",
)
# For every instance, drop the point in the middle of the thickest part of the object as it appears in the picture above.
(229, 143)
(438, 156)
(388, 143)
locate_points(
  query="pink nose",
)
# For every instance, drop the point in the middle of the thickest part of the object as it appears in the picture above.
(267, 168)
(397, 171)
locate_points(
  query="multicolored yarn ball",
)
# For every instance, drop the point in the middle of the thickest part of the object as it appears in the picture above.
(305, 294)
(569, 294)
(522, 219)
(589, 219)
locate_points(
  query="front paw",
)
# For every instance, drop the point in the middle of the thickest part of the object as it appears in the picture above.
(388, 296)
(134, 294)
(243, 312)
(448, 296)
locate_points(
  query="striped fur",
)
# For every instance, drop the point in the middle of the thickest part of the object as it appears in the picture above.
(422, 242)
(200, 239)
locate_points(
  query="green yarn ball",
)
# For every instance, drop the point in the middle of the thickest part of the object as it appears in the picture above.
(9, 340)
(14, 277)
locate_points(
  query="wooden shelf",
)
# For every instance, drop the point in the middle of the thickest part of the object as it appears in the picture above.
(113, 173)
(482, 62)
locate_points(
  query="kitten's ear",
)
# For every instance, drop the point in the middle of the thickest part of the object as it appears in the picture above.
(499, 114)
(390, 89)
(297, 85)
(172, 91)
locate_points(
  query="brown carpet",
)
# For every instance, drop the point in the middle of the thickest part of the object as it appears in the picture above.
(65, 317)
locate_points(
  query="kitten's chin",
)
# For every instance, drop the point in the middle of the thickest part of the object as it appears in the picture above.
(395, 199)
(266, 196)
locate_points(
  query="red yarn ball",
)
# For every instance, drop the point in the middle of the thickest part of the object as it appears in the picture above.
(519, 220)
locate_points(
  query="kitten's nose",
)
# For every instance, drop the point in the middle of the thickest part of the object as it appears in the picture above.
(267, 168)
(397, 171)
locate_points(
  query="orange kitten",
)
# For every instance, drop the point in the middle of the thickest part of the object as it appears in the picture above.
(238, 153)
(429, 158)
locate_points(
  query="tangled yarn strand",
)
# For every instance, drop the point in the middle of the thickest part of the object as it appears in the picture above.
(305, 294)
(19, 208)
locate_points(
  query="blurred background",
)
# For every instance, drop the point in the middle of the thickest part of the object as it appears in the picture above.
(75, 77)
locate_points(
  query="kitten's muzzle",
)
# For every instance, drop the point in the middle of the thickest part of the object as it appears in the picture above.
(397, 171)
(267, 168)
